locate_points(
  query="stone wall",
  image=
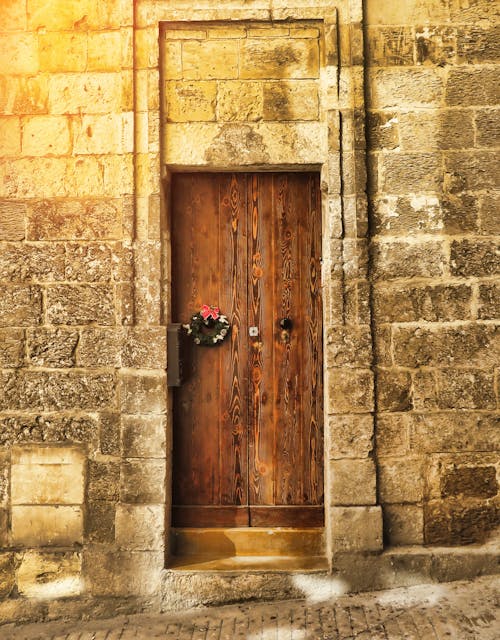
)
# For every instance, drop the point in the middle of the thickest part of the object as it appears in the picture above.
(98, 102)
(433, 124)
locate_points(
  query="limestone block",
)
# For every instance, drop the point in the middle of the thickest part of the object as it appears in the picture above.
(470, 344)
(10, 136)
(401, 480)
(75, 93)
(7, 574)
(393, 390)
(218, 32)
(350, 436)
(19, 53)
(466, 389)
(104, 51)
(489, 301)
(99, 347)
(16, 429)
(64, 52)
(292, 100)
(274, 58)
(80, 304)
(392, 433)
(383, 129)
(191, 101)
(49, 575)
(47, 475)
(11, 347)
(457, 523)
(56, 16)
(401, 259)
(435, 45)
(23, 94)
(458, 431)
(74, 219)
(140, 527)
(448, 129)
(408, 12)
(52, 347)
(411, 173)
(470, 482)
(239, 101)
(12, 16)
(425, 390)
(172, 60)
(469, 86)
(393, 88)
(143, 393)
(41, 390)
(351, 391)
(390, 46)
(89, 262)
(476, 44)
(432, 303)
(353, 482)
(20, 306)
(356, 528)
(349, 346)
(210, 59)
(143, 481)
(403, 524)
(145, 348)
(487, 123)
(144, 437)
(97, 134)
(4, 479)
(472, 171)
(109, 433)
(12, 220)
(103, 480)
(100, 521)
(20, 262)
(382, 355)
(490, 214)
(36, 526)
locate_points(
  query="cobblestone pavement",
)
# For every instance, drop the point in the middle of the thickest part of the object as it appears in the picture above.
(453, 611)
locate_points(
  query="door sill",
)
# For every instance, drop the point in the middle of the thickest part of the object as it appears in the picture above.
(248, 563)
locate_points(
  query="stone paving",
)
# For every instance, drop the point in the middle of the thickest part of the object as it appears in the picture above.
(466, 610)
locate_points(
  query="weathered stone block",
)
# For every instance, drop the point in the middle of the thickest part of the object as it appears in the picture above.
(472, 86)
(474, 258)
(74, 93)
(383, 130)
(401, 480)
(67, 52)
(143, 481)
(17, 429)
(292, 100)
(43, 135)
(469, 344)
(140, 527)
(12, 16)
(8, 567)
(392, 433)
(80, 304)
(382, 345)
(49, 575)
(490, 213)
(97, 134)
(144, 436)
(271, 58)
(459, 212)
(206, 60)
(145, 348)
(40, 526)
(52, 347)
(353, 482)
(239, 101)
(144, 393)
(411, 173)
(349, 346)
(458, 524)
(19, 53)
(11, 347)
(488, 128)
(393, 390)
(100, 347)
(350, 436)
(172, 56)
(476, 44)
(470, 482)
(435, 45)
(88, 262)
(10, 136)
(389, 46)
(351, 391)
(4, 479)
(457, 431)
(103, 480)
(20, 306)
(472, 170)
(105, 51)
(466, 389)
(23, 95)
(401, 259)
(396, 87)
(109, 433)
(432, 303)
(425, 390)
(403, 524)
(74, 219)
(100, 521)
(42, 475)
(356, 528)
(489, 301)
(20, 262)
(191, 101)
(12, 220)
(448, 129)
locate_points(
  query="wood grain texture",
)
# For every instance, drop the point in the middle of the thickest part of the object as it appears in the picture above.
(248, 423)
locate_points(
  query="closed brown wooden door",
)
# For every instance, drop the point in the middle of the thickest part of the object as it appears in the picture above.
(248, 421)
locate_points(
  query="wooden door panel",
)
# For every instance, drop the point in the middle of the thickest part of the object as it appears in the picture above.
(248, 422)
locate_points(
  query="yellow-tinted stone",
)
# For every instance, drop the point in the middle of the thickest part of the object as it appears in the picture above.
(10, 136)
(191, 101)
(19, 53)
(279, 58)
(293, 100)
(268, 32)
(45, 525)
(239, 101)
(63, 51)
(226, 32)
(104, 51)
(49, 575)
(185, 34)
(146, 48)
(12, 15)
(210, 59)
(97, 134)
(44, 135)
(85, 92)
(172, 56)
(55, 15)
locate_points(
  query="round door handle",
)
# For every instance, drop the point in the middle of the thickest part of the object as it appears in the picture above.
(286, 324)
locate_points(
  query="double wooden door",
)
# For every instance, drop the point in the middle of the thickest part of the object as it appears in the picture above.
(248, 421)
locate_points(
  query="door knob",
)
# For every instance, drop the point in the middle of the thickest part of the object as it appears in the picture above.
(286, 324)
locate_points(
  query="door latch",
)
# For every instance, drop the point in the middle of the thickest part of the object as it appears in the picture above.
(253, 332)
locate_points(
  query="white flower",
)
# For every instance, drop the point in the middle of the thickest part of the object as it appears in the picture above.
(223, 318)
(197, 341)
(223, 332)
(214, 339)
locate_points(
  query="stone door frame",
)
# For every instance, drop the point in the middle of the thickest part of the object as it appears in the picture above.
(353, 521)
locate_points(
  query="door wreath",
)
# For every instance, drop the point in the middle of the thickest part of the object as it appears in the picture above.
(208, 327)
